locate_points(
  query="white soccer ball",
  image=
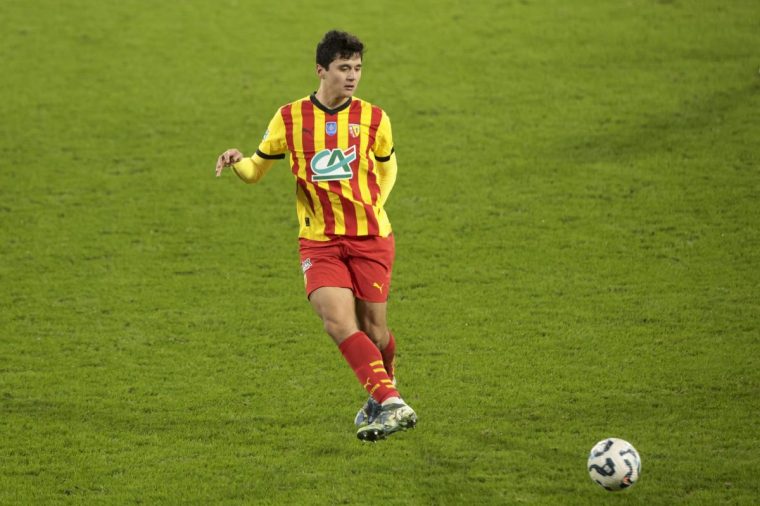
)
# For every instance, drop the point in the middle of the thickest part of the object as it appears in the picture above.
(614, 464)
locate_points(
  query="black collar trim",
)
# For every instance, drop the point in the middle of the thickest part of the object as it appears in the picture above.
(323, 107)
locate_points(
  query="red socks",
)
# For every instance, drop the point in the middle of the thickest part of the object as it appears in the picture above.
(389, 356)
(368, 365)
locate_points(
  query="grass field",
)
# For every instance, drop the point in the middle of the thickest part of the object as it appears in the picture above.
(577, 224)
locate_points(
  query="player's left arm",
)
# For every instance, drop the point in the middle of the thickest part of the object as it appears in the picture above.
(385, 156)
(386, 177)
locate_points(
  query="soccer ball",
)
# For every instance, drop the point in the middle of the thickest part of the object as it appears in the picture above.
(614, 464)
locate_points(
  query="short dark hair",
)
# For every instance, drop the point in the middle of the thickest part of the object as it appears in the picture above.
(337, 44)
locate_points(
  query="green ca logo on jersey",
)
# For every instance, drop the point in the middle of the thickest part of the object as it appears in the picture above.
(333, 164)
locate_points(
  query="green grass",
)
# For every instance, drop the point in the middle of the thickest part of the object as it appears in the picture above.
(576, 219)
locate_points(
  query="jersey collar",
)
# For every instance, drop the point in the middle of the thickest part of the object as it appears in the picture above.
(323, 107)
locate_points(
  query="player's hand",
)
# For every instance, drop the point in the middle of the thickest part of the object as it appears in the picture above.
(226, 159)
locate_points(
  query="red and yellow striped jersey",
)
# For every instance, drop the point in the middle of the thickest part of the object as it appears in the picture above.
(332, 157)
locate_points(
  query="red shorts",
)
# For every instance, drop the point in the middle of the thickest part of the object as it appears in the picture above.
(362, 264)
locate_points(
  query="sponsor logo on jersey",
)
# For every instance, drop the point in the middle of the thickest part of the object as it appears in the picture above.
(333, 164)
(331, 127)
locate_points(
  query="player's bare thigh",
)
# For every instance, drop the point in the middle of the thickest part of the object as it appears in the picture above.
(336, 307)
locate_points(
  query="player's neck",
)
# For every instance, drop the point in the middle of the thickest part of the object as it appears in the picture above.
(331, 101)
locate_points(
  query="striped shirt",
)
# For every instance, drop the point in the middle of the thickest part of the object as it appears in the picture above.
(332, 157)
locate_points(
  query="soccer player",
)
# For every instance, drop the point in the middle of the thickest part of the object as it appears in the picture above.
(342, 157)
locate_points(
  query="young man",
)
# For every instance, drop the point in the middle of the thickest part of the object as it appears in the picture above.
(342, 156)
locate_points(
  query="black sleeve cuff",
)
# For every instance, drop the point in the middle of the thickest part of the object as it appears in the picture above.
(270, 157)
(385, 158)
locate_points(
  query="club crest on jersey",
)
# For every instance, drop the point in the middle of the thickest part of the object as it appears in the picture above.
(331, 127)
(333, 164)
(354, 129)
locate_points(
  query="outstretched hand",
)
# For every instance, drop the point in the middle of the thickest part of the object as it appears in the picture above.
(226, 159)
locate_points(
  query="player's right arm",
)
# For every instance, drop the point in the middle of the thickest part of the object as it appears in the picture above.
(251, 169)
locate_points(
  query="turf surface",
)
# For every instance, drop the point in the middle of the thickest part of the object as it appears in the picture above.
(576, 219)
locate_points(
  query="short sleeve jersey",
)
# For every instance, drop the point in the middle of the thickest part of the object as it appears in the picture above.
(333, 155)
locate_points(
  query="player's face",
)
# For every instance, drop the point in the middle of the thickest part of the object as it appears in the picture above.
(341, 77)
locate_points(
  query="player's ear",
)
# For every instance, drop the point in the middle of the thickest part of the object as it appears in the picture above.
(320, 71)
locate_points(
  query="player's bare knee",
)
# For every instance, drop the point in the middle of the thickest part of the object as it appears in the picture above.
(338, 329)
(378, 334)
